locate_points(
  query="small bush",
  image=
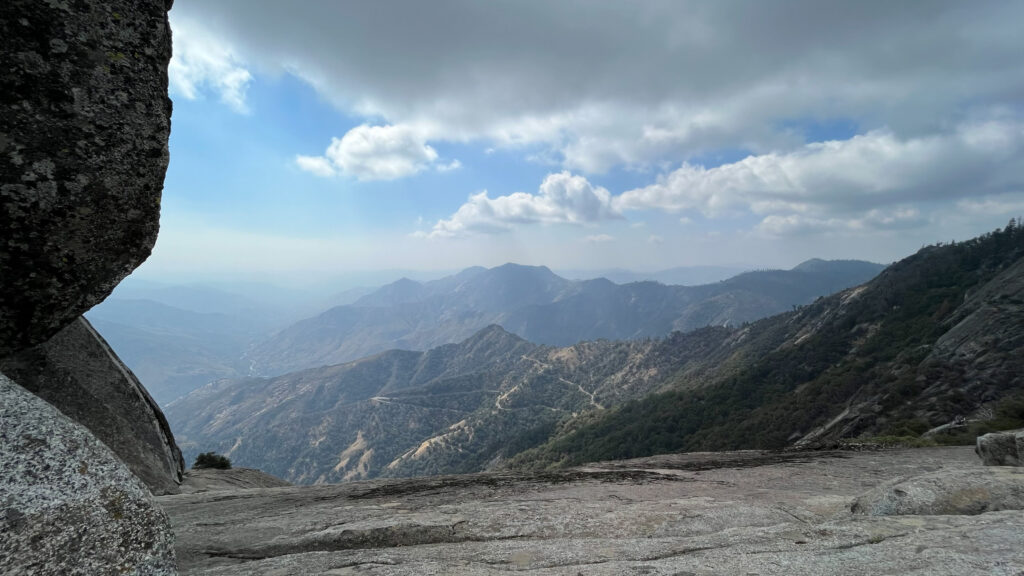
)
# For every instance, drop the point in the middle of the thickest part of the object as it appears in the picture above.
(212, 460)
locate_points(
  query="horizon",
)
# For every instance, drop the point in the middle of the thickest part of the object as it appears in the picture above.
(325, 139)
(374, 279)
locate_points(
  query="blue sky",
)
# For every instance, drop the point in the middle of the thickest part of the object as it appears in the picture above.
(315, 139)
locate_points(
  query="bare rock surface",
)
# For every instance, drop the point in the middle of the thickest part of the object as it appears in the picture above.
(1001, 448)
(214, 480)
(78, 373)
(691, 514)
(68, 506)
(83, 152)
(966, 491)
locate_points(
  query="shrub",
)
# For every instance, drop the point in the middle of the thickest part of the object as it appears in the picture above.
(212, 460)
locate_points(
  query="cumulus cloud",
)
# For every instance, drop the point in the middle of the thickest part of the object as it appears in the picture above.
(374, 153)
(617, 85)
(877, 169)
(203, 63)
(599, 238)
(563, 198)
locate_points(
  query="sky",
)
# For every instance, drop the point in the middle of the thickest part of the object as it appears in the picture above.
(310, 139)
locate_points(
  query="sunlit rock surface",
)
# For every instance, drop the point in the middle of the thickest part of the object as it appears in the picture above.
(723, 514)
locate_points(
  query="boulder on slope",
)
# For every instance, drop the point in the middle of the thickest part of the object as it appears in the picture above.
(966, 491)
(1001, 448)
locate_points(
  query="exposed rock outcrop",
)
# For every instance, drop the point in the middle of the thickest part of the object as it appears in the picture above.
(1001, 448)
(670, 515)
(78, 373)
(214, 480)
(67, 504)
(83, 152)
(966, 491)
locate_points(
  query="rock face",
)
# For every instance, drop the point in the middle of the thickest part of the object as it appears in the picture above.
(69, 506)
(686, 514)
(83, 152)
(80, 375)
(1001, 448)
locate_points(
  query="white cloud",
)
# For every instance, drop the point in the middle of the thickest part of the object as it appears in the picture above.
(201, 62)
(375, 153)
(848, 178)
(562, 199)
(597, 96)
(453, 165)
(599, 238)
(871, 221)
(655, 239)
(317, 165)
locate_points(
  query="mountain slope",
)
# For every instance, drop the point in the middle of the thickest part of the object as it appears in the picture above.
(937, 335)
(542, 307)
(454, 408)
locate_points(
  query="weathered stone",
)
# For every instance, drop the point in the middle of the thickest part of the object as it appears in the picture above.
(967, 491)
(688, 514)
(78, 373)
(83, 152)
(214, 480)
(68, 506)
(1001, 448)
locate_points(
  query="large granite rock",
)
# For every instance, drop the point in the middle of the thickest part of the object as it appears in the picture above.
(674, 515)
(83, 152)
(1001, 448)
(67, 504)
(77, 372)
(965, 491)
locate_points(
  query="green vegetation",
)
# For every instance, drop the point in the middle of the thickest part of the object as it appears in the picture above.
(872, 348)
(211, 460)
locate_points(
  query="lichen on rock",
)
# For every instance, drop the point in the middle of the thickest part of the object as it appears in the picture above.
(67, 504)
(83, 153)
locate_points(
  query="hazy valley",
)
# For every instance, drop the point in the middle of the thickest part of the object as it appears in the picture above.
(933, 337)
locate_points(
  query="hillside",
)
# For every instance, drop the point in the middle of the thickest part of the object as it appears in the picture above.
(542, 307)
(935, 336)
(454, 408)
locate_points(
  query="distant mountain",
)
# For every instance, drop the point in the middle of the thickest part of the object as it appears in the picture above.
(679, 276)
(537, 304)
(455, 408)
(935, 336)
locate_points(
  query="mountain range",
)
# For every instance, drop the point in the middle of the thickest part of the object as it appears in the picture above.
(542, 307)
(935, 336)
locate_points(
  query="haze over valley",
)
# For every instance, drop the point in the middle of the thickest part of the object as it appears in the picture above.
(557, 288)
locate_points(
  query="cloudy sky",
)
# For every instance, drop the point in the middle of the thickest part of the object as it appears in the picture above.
(319, 136)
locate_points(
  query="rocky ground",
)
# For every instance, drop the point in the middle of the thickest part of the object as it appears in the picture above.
(925, 511)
